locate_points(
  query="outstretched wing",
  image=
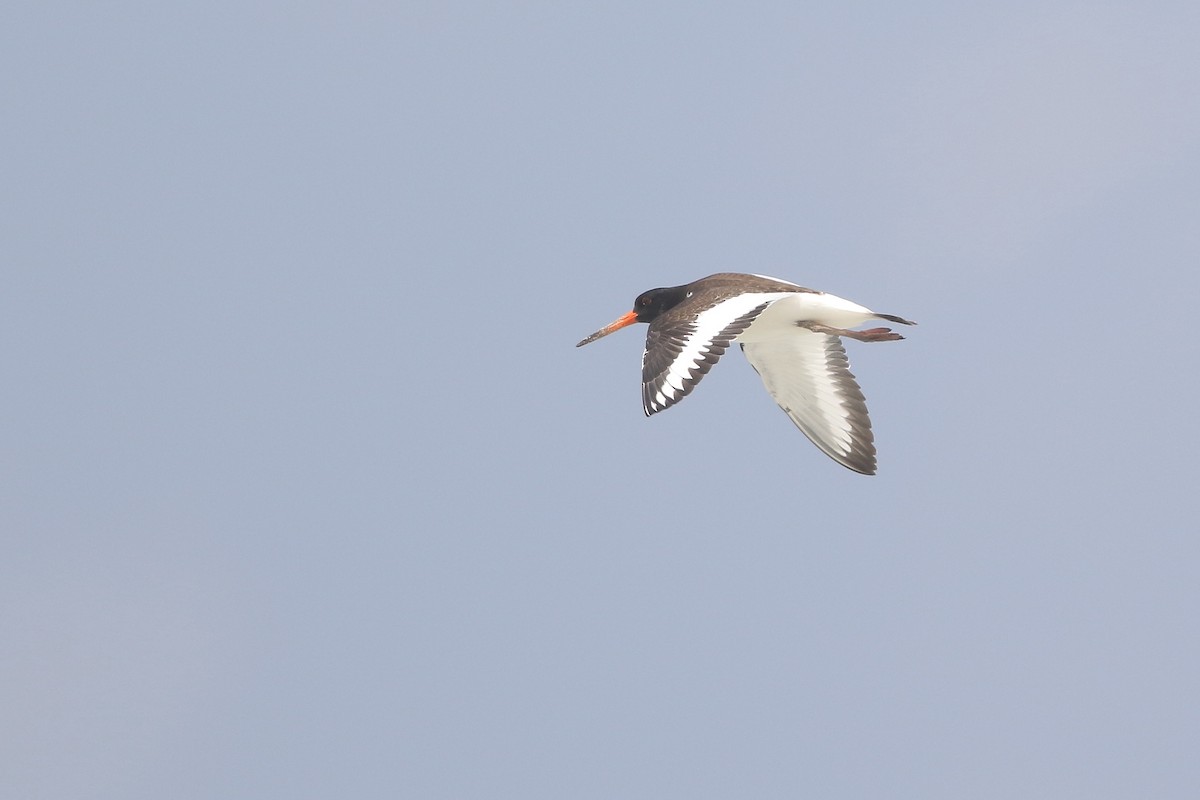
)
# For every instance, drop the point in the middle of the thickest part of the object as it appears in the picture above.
(681, 349)
(809, 376)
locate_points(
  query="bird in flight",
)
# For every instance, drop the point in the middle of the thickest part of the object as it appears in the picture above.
(792, 337)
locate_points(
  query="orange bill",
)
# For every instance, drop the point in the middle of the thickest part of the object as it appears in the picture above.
(615, 325)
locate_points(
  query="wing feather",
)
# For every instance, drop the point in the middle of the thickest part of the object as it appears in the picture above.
(681, 349)
(809, 376)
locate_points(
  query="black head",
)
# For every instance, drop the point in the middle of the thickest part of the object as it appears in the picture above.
(652, 304)
(647, 308)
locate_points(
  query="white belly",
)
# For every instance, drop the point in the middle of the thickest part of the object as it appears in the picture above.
(780, 318)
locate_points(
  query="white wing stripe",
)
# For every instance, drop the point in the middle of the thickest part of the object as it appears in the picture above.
(708, 326)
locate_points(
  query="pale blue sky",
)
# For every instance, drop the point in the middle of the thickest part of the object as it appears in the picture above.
(307, 493)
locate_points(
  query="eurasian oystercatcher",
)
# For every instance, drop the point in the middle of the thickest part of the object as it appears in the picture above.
(790, 334)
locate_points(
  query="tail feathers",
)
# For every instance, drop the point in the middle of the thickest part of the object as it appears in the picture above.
(894, 318)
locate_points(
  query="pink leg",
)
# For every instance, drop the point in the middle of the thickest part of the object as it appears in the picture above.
(869, 335)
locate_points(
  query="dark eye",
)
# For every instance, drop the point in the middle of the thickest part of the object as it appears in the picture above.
(643, 301)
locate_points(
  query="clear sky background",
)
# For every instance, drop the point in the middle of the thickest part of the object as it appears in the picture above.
(307, 493)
